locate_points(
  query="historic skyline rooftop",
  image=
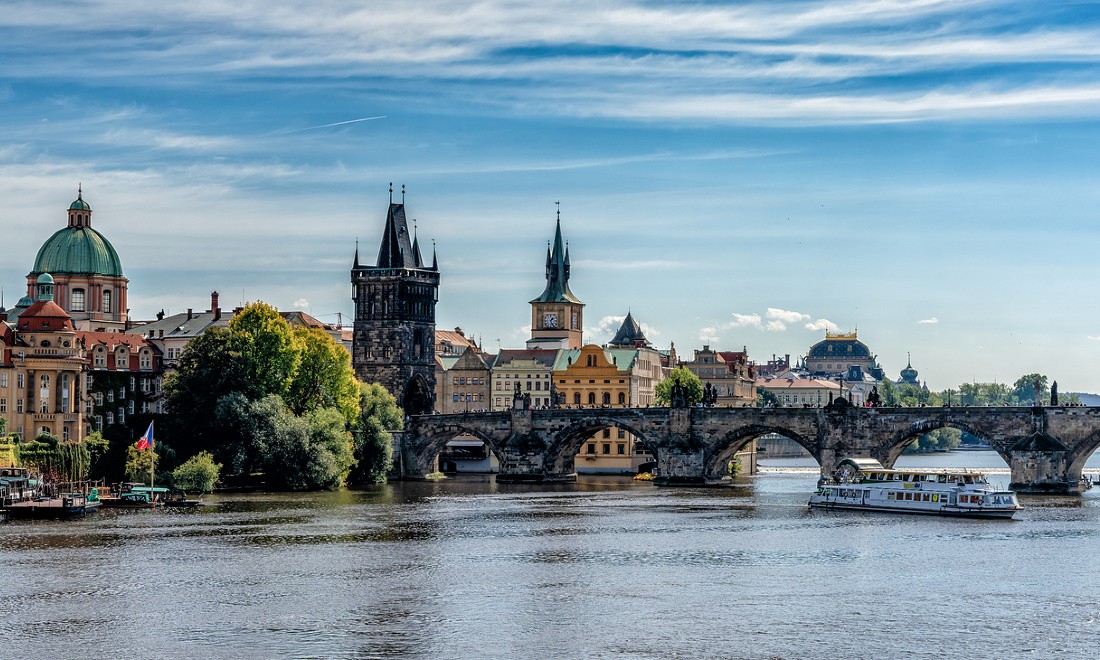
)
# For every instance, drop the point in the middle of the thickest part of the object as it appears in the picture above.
(735, 175)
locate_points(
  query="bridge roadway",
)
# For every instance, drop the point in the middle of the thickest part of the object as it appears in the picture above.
(1045, 447)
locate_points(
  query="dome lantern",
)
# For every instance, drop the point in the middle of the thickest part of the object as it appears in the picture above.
(45, 287)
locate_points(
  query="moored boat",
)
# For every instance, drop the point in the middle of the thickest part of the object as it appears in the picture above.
(865, 485)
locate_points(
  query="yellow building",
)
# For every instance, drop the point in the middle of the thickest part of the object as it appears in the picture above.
(793, 391)
(41, 371)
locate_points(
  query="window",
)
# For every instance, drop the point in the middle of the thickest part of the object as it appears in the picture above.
(107, 303)
(455, 398)
(607, 433)
(77, 300)
(99, 398)
(577, 398)
(622, 434)
(100, 357)
(620, 449)
(110, 419)
(3, 405)
(622, 398)
(4, 379)
(121, 360)
(121, 416)
(146, 360)
(607, 398)
(592, 398)
(607, 448)
(19, 380)
(592, 448)
(99, 422)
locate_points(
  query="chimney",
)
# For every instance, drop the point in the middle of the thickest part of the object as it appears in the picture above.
(190, 313)
(214, 305)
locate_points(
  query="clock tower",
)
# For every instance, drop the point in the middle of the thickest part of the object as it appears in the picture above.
(557, 316)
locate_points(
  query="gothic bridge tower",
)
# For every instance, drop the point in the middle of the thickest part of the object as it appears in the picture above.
(557, 316)
(394, 336)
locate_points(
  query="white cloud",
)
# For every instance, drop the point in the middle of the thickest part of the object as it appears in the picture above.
(1094, 338)
(301, 303)
(786, 316)
(775, 326)
(931, 321)
(709, 335)
(822, 324)
(743, 321)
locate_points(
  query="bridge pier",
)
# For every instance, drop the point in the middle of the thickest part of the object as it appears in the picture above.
(1044, 471)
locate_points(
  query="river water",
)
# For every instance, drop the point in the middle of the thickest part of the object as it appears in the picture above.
(606, 567)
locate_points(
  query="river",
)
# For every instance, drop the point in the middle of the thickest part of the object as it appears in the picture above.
(606, 567)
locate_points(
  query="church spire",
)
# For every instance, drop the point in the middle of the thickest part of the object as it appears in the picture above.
(557, 270)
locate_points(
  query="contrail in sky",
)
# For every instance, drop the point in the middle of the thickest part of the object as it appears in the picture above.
(339, 123)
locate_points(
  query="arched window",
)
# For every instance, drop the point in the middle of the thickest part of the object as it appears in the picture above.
(622, 398)
(107, 301)
(577, 398)
(77, 300)
(592, 398)
(607, 398)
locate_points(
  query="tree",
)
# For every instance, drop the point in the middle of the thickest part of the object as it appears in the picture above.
(262, 344)
(198, 473)
(692, 387)
(139, 462)
(207, 372)
(379, 415)
(764, 398)
(324, 377)
(1025, 389)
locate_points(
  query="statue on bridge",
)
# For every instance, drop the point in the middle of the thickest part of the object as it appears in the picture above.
(520, 401)
(874, 398)
(678, 396)
(1054, 393)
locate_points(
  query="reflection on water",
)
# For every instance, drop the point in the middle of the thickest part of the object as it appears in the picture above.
(605, 567)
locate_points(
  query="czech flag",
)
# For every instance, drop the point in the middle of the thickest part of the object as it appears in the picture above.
(146, 440)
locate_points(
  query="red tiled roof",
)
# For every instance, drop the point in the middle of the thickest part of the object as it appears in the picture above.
(44, 315)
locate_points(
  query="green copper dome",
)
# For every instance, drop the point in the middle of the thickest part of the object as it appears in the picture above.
(80, 205)
(78, 251)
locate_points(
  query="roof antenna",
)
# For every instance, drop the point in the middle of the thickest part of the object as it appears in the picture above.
(391, 192)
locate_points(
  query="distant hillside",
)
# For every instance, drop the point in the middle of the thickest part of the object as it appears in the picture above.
(1089, 399)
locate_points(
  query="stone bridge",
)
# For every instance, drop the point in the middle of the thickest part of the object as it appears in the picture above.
(1045, 447)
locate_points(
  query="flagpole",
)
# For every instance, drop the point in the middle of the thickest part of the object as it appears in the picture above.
(152, 459)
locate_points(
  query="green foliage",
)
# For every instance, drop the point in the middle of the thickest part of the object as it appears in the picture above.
(139, 462)
(198, 473)
(299, 453)
(264, 350)
(324, 377)
(944, 439)
(96, 445)
(693, 387)
(1024, 389)
(374, 443)
(764, 398)
(985, 394)
(207, 372)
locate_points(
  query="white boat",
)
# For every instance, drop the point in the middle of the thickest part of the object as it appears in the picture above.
(864, 485)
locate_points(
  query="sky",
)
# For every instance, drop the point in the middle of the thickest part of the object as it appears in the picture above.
(735, 174)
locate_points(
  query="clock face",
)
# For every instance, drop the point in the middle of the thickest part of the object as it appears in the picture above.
(550, 320)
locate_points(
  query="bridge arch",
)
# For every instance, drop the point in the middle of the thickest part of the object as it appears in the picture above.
(1080, 454)
(561, 454)
(889, 452)
(726, 445)
(431, 441)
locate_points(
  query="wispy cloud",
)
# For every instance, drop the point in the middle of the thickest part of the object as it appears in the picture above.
(931, 321)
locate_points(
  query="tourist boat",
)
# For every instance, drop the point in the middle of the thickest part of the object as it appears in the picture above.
(864, 485)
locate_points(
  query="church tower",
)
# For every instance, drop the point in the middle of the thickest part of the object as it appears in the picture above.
(394, 333)
(557, 316)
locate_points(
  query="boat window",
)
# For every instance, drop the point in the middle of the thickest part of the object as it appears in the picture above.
(935, 497)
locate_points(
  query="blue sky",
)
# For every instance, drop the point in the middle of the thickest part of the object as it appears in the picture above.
(736, 174)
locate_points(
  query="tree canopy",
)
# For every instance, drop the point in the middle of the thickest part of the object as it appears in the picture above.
(692, 386)
(374, 442)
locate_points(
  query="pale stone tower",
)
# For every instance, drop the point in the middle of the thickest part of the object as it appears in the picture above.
(557, 316)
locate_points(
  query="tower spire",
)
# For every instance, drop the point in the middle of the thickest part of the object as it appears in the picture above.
(403, 199)
(356, 251)
(391, 192)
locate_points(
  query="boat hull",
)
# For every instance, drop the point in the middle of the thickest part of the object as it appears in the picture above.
(954, 512)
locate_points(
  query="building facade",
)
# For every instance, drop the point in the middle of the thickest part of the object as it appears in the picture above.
(530, 371)
(729, 373)
(42, 371)
(394, 333)
(87, 273)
